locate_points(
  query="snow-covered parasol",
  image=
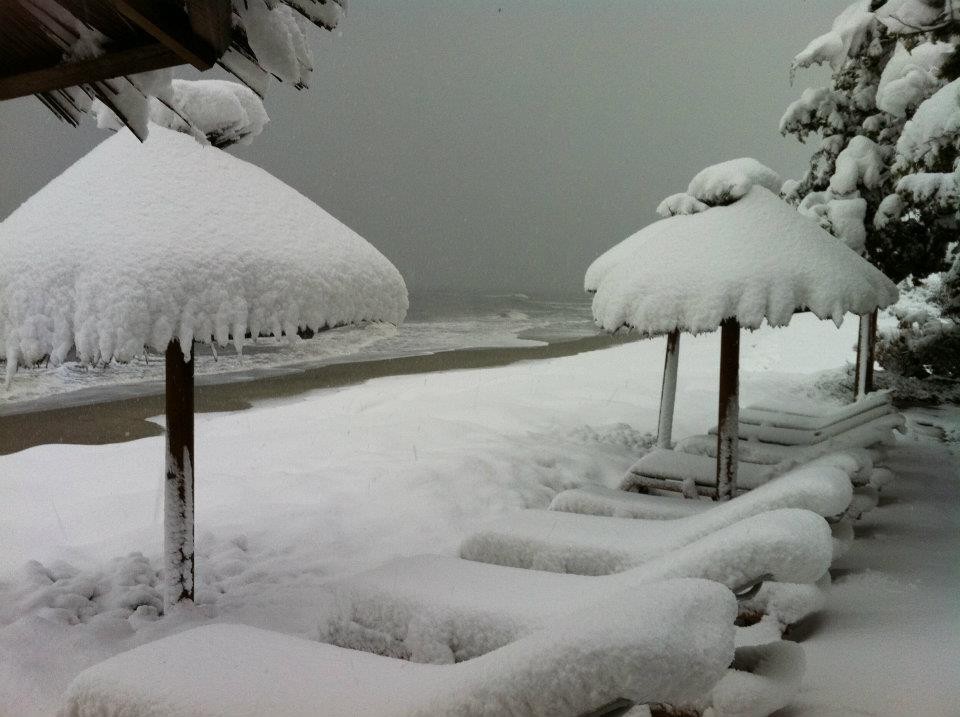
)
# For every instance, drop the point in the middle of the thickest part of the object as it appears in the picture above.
(162, 244)
(730, 254)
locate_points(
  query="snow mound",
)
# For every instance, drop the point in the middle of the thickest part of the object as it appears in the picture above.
(756, 260)
(764, 679)
(434, 608)
(681, 203)
(728, 181)
(667, 643)
(225, 112)
(138, 244)
(935, 125)
(788, 603)
(593, 545)
(218, 112)
(910, 76)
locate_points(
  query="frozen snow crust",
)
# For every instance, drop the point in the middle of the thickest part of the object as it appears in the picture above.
(756, 259)
(138, 244)
(669, 642)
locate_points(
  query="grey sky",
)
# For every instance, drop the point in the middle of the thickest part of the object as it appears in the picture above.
(504, 144)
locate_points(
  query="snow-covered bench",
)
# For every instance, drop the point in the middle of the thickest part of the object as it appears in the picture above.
(435, 608)
(693, 474)
(664, 643)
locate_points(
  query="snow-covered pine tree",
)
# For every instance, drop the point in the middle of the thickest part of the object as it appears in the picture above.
(885, 175)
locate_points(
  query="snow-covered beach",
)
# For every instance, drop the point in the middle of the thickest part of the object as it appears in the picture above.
(254, 461)
(295, 492)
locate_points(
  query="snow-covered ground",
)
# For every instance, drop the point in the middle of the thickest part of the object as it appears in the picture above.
(293, 493)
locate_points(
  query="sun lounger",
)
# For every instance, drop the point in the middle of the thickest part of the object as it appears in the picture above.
(824, 489)
(811, 415)
(692, 474)
(663, 643)
(770, 426)
(865, 440)
(593, 545)
(434, 608)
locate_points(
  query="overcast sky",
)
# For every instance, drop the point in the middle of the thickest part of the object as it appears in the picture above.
(504, 144)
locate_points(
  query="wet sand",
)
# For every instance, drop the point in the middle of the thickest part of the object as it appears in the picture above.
(117, 420)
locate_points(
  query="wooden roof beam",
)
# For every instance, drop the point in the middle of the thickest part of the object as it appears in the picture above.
(141, 58)
(171, 26)
(211, 21)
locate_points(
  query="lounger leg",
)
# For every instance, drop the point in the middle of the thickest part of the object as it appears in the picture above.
(728, 419)
(178, 486)
(668, 392)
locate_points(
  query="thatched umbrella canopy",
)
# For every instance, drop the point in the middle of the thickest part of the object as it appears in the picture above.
(70, 52)
(751, 260)
(166, 243)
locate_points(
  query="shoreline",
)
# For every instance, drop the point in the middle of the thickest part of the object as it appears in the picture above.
(117, 420)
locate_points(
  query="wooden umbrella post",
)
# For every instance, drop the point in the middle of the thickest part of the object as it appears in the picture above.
(866, 347)
(178, 485)
(728, 419)
(668, 391)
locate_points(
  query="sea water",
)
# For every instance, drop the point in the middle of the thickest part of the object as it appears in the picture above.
(437, 321)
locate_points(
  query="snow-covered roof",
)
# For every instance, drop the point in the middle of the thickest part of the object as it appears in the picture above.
(756, 259)
(136, 244)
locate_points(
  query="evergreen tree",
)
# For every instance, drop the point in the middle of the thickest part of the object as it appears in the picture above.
(885, 175)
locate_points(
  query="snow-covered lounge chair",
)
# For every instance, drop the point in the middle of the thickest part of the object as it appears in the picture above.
(865, 441)
(823, 488)
(594, 545)
(694, 474)
(437, 608)
(799, 423)
(775, 438)
(667, 643)
(434, 608)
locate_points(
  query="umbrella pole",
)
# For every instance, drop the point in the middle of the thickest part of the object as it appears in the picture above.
(668, 391)
(178, 485)
(866, 345)
(728, 419)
